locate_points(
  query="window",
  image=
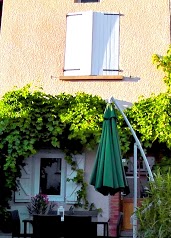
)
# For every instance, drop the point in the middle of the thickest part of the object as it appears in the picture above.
(92, 44)
(47, 173)
(50, 175)
(141, 167)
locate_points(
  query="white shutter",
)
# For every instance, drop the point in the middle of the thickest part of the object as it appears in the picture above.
(78, 44)
(111, 52)
(86, 43)
(23, 193)
(92, 44)
(98, 44)
(105, 55)
(71, 187)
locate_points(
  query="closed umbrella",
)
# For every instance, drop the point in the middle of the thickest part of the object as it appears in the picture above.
(108, 175)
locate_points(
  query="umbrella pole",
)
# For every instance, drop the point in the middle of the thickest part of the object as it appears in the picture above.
(135, 193)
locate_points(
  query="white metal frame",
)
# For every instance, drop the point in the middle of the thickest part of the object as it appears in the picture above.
(137, 145)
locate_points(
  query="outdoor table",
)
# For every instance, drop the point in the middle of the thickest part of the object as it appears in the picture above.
(100, 222)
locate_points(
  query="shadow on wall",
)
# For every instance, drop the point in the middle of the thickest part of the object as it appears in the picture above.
(122, 104)
(131, 79)
(1, 4)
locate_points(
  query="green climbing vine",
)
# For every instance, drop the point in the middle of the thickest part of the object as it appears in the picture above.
(151, 117)
(79, 179)
(31, 120)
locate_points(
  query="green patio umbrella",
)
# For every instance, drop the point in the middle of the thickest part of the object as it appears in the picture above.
(108, 175)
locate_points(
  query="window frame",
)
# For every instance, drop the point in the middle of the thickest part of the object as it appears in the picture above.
(55, 198)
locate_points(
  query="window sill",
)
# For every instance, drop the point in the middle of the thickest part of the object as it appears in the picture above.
(97, 77)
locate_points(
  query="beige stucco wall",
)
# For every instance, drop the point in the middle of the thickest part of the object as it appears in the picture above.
(33, 42)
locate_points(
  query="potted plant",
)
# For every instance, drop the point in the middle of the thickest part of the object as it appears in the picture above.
(40, 204)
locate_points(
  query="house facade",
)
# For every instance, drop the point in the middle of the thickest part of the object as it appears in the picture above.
(101, 47)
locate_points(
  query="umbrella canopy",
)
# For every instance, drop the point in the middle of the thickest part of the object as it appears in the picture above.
(108, 175)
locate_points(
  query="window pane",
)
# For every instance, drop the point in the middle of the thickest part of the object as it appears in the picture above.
(50, 176)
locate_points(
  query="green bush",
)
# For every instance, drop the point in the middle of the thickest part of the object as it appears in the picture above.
(154, 216)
